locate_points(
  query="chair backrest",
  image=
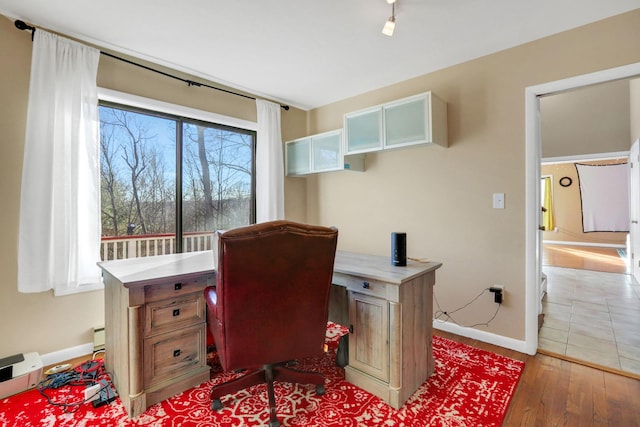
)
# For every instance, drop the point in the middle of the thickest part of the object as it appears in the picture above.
(272, 287)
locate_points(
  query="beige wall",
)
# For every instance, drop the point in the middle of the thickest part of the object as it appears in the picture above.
(567, 207)
(41, 322)
(589, 120)
(442, 197)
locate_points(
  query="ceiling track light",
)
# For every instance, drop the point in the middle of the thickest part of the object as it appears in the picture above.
(390, 25)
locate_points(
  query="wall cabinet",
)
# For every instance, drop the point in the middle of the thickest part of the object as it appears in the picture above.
(319, 153)
(363, 130)
(298, 157)
(418, 119)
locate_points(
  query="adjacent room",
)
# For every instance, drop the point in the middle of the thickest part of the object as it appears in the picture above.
(586, 171)
(143, 141)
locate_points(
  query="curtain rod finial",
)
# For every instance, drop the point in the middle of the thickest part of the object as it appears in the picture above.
(21, 25)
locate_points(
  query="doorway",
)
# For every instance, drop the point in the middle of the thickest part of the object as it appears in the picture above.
(533, 150)
(585, 136)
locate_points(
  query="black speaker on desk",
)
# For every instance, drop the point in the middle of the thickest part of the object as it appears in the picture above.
(399, 249)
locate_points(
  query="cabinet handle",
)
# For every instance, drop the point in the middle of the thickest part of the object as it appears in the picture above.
(176, 353)
(176, 312)
(177, 286)
(350, 329)
(365, 285)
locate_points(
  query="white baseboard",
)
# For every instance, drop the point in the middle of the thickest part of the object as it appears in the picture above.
(487, 337)
(63, 355)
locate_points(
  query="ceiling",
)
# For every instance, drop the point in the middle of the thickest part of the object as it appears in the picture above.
(309, 53)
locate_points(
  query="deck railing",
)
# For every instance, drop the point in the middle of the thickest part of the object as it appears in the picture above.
(136, 246)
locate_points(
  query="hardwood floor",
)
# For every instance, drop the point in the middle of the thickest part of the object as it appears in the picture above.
(554, 392)
(584, 258)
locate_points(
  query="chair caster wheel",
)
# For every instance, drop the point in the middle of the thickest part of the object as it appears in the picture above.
(320, 390)
(274, 423)
(216, 405)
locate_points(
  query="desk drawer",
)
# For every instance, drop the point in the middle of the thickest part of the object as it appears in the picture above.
(361, 285)
(171, 355)
(176, 289)
(172, 314)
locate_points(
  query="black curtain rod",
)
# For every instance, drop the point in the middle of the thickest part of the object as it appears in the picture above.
(21, 25)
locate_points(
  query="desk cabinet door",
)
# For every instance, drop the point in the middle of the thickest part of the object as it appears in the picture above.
(168, 356)
(368, 343)
(173, 314)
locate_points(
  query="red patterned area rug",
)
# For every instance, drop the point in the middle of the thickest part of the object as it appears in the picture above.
(470, 387)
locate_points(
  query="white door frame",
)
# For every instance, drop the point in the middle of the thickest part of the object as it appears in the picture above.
(634, 203)
(533, 158)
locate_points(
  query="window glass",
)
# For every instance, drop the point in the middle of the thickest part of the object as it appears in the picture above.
(168, 182)
(217, 178)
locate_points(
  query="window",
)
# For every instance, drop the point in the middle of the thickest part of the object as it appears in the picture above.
(168, 182)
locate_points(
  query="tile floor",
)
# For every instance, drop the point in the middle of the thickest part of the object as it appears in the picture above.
(592, 316)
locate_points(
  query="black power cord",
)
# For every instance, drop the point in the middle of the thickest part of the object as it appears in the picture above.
(447, 314)
(87, 374)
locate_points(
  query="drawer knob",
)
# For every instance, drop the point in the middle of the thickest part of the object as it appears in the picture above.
(176, 353)
(365, 285)
(176, 312)
(177, 286)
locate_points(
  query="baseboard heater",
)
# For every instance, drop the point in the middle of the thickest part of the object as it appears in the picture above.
(19, 372)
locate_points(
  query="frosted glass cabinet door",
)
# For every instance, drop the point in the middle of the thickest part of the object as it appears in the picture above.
(363, 131)
(298, 157)
(327, 153)
(406, 122)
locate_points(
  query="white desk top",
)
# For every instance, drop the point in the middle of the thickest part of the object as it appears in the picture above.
(142, 271)
(379, 267)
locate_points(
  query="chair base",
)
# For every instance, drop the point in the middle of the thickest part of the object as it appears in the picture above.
(268, 375)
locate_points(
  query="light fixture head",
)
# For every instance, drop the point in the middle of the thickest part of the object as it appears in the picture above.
(389, 26)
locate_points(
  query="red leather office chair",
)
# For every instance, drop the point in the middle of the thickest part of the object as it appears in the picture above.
(270, 304)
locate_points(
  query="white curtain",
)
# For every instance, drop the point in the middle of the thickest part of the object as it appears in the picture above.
(59, 236)
(269, 164)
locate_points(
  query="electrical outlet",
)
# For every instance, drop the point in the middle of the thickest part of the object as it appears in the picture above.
(498, 293)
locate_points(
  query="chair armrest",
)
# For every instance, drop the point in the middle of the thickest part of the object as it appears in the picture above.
(211, 299)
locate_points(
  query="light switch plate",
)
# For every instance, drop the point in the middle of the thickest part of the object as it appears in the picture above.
(498, 200)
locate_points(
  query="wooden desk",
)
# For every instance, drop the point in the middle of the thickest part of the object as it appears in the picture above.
(155, 325)
(390, 318)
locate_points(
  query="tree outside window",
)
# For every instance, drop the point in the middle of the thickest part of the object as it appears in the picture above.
(168, 182)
